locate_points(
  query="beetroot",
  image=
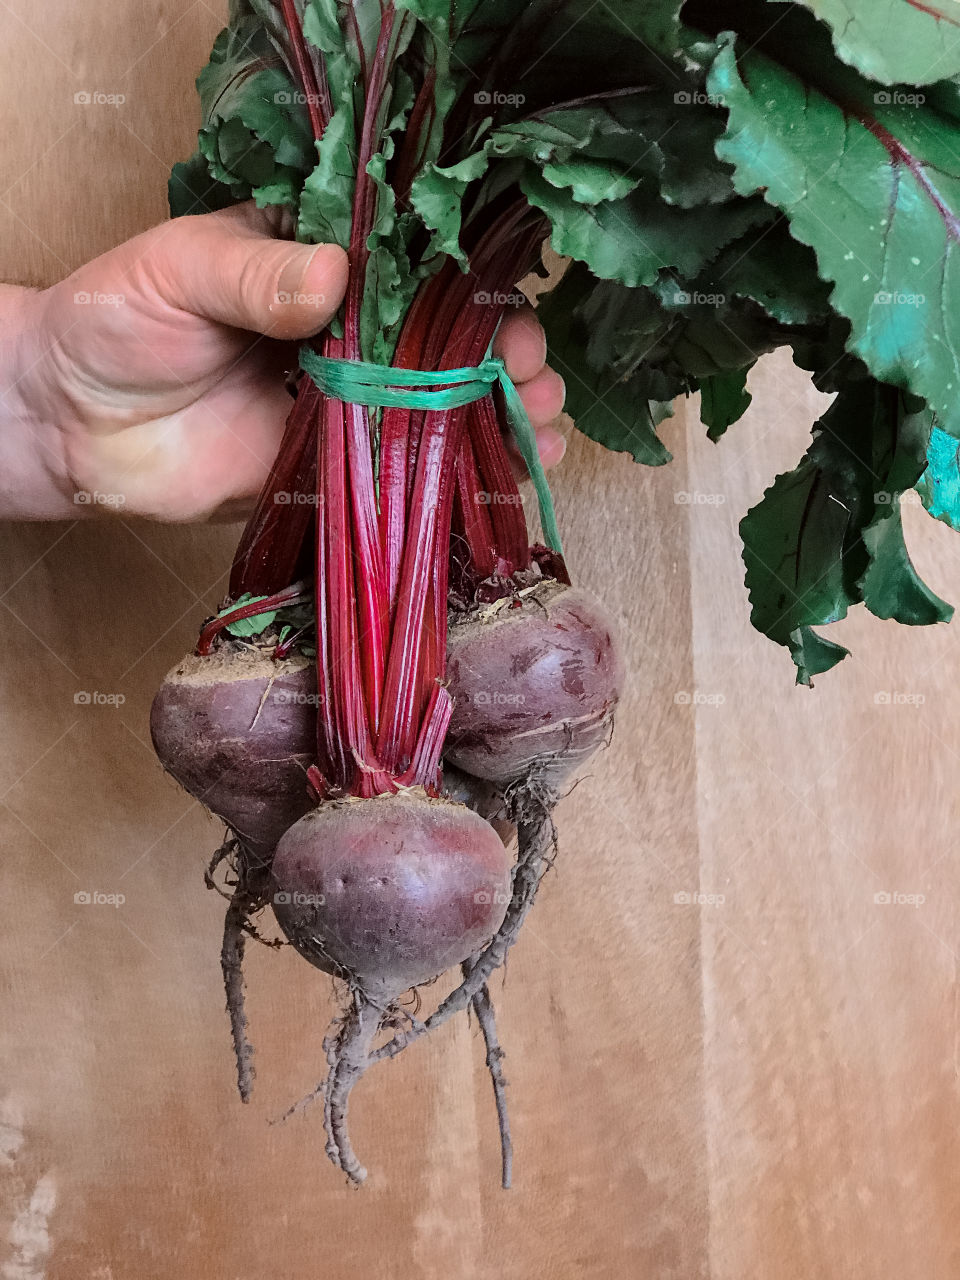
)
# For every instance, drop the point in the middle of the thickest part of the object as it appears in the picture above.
(481, 796)
(390, 892)
(385, 893)
(535, 685)
(237, 731)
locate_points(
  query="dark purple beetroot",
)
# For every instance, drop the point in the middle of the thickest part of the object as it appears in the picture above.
(535, 686)
(238, 731)
(481, 796)
(391, 891)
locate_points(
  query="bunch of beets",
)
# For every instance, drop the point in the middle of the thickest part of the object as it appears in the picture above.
(396, 668)
(398, 679)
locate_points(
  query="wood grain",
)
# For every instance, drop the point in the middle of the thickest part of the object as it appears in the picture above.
(831, 1033)
(766, 1085)
(123, 1148)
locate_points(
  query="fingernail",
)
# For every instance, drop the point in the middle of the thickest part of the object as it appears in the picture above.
(289, 285)
(551, 445)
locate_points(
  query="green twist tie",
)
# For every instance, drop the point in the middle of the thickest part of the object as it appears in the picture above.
(378, 387)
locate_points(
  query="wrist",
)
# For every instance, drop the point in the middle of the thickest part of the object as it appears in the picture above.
(34, 482)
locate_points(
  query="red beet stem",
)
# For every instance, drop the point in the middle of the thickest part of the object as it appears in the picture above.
(476, 556)
(416, 137)
(270, 549)
(296, 594)
(505, 506)
(317, 94)
(344, 724)
(417, 650)
(433, 731)
(371, 594)
(381, 575)
(398, 428)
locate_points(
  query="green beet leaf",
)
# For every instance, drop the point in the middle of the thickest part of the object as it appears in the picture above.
(192, 189)
(724, 399)
(939, 486)
(775, 271)
(633, 240)
(547, 53)
(875, 190)
(895, 41)
(326, 205)
(245, 628)
(891, 587)
(720, 192)
(827, 535)
(610, 402)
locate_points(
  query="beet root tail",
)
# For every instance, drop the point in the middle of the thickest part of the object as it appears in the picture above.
(483, 1011)
(348, 1054)
(231, 963)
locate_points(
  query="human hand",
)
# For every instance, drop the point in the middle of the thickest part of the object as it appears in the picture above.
(153, 377)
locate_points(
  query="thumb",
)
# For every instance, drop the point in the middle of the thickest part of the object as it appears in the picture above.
(228, 267)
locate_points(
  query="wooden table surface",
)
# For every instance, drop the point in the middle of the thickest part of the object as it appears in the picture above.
(762, 1087)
